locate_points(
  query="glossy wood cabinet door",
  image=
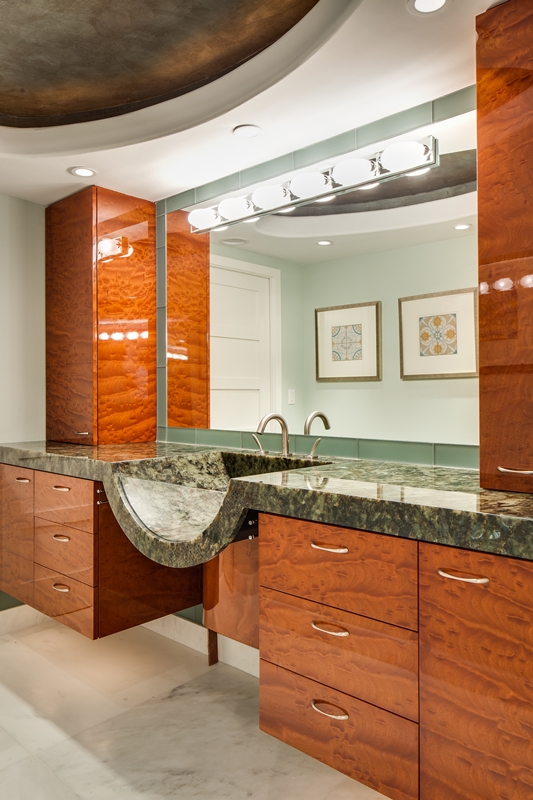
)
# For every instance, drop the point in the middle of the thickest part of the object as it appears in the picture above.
(231, 592)
(505, 195)
(100, 318)
(476, 676)
(16, 532)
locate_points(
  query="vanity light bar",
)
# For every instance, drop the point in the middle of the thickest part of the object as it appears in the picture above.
(396, 160)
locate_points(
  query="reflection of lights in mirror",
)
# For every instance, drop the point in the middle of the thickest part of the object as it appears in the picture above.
(108, 248)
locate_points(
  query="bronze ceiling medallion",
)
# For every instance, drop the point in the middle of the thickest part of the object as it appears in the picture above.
(84, 60)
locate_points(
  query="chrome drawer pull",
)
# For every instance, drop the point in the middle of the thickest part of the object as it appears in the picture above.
(22, 480)
(101, 502)
(341, 632)
(344, 715)
(81, 433)
(61, 488)
(516, 471)
(60, 587)
(479, 581)
(329, 548)
(59, 538)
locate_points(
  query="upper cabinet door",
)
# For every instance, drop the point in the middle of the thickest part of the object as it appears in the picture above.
(505, 183)
(70, 319)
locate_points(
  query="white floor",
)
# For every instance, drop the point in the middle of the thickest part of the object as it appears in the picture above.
(137, 715)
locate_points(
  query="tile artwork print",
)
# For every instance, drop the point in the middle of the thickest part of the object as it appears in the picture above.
(438, 335)
(347, 343)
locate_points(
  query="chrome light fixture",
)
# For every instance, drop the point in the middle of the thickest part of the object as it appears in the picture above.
(320, 185)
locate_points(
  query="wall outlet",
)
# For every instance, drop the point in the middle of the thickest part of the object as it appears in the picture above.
(292, 397)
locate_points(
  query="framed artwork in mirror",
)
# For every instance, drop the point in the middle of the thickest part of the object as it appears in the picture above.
(438, 335)
(348, 342)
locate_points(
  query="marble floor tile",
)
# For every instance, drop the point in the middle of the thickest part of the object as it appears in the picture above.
(30, 779)
(10, 750)
(200, 741)
(55, 683)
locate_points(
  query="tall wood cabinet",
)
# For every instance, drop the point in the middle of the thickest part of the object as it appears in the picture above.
(505, 184)
(100, 319)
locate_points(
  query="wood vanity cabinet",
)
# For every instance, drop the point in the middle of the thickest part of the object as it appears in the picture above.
(100, 319)
(63, 552)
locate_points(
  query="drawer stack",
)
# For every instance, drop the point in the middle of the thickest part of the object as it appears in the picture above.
(339, 649)
(66, 550)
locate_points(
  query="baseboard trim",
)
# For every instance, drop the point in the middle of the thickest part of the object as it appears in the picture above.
(188, 633)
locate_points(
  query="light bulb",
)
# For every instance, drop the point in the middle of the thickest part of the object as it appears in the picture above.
(462, 227)
(527, 281)
(428, 6)
(144, 335)
(352, 171)
(267, 197)
(402, 156)
(309, 184)
(82, 172)
(117, 336)
(324, 242)
(108, 247)
(132, 335)
(368, 186)
(504, 285)
(235, 208)
(326, 199)
(204, 218)
(104, 337)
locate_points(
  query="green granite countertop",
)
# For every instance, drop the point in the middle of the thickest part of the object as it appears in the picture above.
(182, 504)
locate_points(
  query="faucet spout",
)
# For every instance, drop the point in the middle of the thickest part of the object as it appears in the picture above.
(284, 430)
(311, 417)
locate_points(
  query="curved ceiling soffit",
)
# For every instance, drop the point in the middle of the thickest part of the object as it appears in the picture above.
(195, 107)
(445, 210)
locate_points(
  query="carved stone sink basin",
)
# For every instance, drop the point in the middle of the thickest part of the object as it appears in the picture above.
(178, 510)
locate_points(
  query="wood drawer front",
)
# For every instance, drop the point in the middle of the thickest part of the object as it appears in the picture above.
(68, 501)
(372, 746)
(371, 574)
(67, 550)
(476, 676)
(370, 660)
(76, 607)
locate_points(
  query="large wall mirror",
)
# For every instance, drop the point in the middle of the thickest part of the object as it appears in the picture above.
(414, 235)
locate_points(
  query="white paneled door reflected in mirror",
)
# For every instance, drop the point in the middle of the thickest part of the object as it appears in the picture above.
(390, 238)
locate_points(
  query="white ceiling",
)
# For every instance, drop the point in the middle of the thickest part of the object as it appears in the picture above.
(381, 60)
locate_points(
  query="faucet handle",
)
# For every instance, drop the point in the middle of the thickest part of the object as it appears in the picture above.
(261, 452)
(314, 447)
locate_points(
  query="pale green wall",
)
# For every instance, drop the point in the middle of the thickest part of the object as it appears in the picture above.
(418, 411)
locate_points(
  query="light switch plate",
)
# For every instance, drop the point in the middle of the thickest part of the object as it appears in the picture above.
(292, 397)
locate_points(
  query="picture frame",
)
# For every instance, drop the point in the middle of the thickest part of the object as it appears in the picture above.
(438, 335)
(348, 342)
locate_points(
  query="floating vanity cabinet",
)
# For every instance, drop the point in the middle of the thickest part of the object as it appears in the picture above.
(338, 644)
(16, 532)
(505, 201)
(476, 676)
(63, 552)
(100, 319)
(231, 592)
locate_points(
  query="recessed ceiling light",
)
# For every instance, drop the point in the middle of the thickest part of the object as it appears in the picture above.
(324, 242)
(246, 131)
(418, 172)
(326, 199)
(426, 6)
(462, 227)
(82, 172)
(286, 210)
(235, 242)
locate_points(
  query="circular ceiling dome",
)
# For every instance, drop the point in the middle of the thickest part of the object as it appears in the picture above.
(62, 63)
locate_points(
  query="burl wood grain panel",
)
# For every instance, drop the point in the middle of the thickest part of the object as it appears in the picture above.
(231, 592)
(72, 552)
(374, 747)
(370, 660)
(126, 320)
(476, 677)
(505, 189)
(16, 532)
(65, 500)
(67, 601)
(134, 589)
(187, 324)
(71, 319)
(367, 573)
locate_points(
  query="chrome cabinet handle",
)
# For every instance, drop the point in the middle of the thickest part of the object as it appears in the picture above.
(59, 538)
(331, 549)
(516, 471)
(479, 581)
(344, 715)
(101, 502)
(61, 488)
(22, 480)
(81, 433)
(340, 632)
(61, 587)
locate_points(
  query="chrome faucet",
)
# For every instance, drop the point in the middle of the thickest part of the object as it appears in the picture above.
(284, 430)
(307, 428)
